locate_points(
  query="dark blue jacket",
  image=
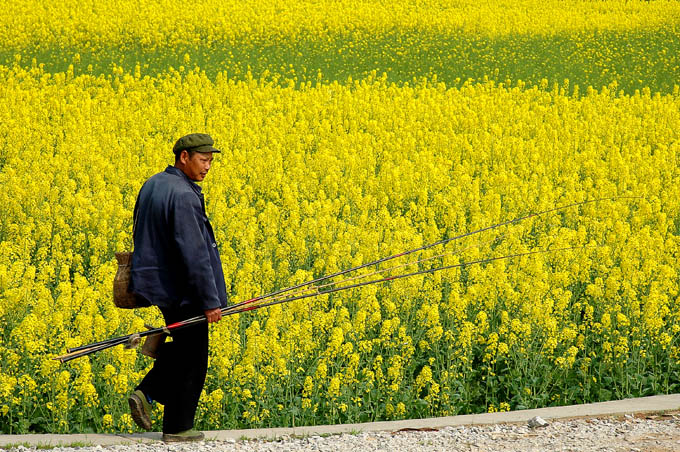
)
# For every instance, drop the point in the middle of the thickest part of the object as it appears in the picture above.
(175, 261)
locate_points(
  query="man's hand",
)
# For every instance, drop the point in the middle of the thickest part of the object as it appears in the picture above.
(213, 315)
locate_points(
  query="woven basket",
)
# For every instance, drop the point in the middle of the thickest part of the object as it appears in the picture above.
(122, 297)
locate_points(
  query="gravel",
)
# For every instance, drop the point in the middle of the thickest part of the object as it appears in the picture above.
(650, 433)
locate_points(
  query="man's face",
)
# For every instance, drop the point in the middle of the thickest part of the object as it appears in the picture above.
(197, 166)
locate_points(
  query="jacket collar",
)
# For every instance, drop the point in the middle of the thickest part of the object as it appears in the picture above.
(180, 173)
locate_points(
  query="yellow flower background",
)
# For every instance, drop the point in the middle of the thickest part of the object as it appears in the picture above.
(321, 174)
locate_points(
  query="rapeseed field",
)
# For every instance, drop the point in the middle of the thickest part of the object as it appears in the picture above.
(350, 131)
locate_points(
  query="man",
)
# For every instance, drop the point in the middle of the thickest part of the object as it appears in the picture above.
(176, 266)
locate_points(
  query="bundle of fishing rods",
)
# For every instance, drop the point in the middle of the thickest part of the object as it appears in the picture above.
(323, 285)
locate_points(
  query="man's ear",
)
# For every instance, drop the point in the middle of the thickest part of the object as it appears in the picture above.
(184, 157)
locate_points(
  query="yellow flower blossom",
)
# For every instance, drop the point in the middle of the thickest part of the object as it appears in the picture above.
(316, 177)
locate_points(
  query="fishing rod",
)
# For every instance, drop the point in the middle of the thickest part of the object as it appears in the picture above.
(236, 307)
(132, 340)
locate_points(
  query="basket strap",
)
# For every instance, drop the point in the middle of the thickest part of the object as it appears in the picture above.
(134, 222)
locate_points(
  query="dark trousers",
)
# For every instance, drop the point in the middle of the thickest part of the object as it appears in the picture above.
(177, 377)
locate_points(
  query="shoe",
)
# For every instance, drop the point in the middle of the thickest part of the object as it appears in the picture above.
(186, 435)
(140, 409)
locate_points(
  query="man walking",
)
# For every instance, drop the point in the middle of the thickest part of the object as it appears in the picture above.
(176, 266)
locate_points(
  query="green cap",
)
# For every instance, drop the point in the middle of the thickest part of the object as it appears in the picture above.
(197, 142)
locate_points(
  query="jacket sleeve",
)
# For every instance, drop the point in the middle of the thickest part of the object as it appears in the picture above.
(188, 230)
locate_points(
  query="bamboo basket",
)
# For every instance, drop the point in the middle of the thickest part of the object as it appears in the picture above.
(122, 297)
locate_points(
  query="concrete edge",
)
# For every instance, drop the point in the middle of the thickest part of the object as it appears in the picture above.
(651, 404)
